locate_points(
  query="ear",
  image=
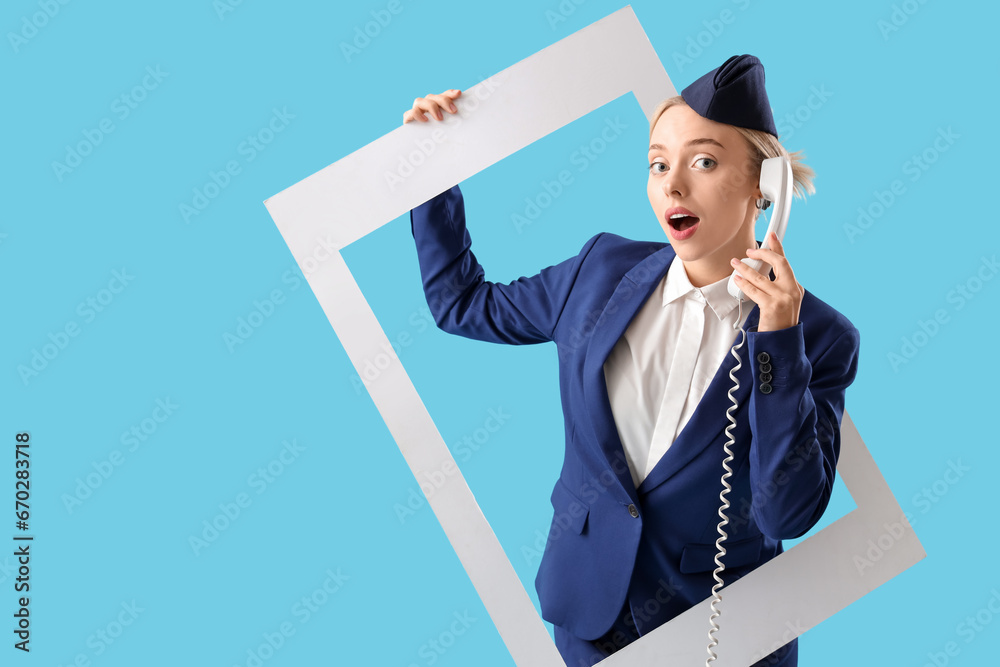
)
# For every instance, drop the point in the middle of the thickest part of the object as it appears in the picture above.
(757, 194)
(752, 209)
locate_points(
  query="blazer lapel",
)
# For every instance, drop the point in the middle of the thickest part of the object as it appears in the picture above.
(709, 418)
(631, 293)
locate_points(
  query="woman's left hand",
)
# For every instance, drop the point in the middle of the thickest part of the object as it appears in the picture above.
(779, 300)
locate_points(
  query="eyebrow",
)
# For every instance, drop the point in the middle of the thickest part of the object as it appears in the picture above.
(693, 142)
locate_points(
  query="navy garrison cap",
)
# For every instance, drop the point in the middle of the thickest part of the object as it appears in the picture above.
(733, 94)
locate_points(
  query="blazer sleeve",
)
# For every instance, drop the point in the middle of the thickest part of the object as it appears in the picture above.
(462, 302)
(796, 427)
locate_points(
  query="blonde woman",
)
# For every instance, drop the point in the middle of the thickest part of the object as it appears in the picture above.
(643, 332)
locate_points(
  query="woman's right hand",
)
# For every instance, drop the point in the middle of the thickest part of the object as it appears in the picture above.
(434, 104)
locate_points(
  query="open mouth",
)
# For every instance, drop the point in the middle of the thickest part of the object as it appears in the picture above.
(680, 223)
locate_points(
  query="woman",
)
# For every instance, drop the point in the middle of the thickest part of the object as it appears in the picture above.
(643, 344)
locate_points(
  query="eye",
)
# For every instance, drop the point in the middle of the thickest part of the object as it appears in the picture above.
(652, 167)
(706, 159)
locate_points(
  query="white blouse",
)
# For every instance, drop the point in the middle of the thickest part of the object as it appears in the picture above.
(662, 365)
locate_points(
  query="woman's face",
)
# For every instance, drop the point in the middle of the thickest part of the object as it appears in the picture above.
(701, 169)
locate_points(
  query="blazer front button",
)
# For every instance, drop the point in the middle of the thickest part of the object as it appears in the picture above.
(633, 511)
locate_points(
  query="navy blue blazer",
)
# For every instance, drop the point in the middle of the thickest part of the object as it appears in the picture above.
(654, 544)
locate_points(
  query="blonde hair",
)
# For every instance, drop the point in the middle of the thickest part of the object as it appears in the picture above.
(762, 146)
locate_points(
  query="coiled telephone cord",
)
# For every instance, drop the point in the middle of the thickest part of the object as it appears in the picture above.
(716, 597)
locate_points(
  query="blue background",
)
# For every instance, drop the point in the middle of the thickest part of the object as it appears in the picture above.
(124, 537)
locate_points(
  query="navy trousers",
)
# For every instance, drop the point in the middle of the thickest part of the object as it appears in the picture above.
(578, 652)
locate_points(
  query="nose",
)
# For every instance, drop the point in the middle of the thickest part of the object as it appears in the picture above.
(673, 183)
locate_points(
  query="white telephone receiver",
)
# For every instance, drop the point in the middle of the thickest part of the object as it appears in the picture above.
(776, 186)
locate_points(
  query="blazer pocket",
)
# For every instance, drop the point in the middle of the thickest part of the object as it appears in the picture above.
(570, 512)
(698, 557)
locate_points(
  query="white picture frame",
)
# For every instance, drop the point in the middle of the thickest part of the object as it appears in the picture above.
(413, 163)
